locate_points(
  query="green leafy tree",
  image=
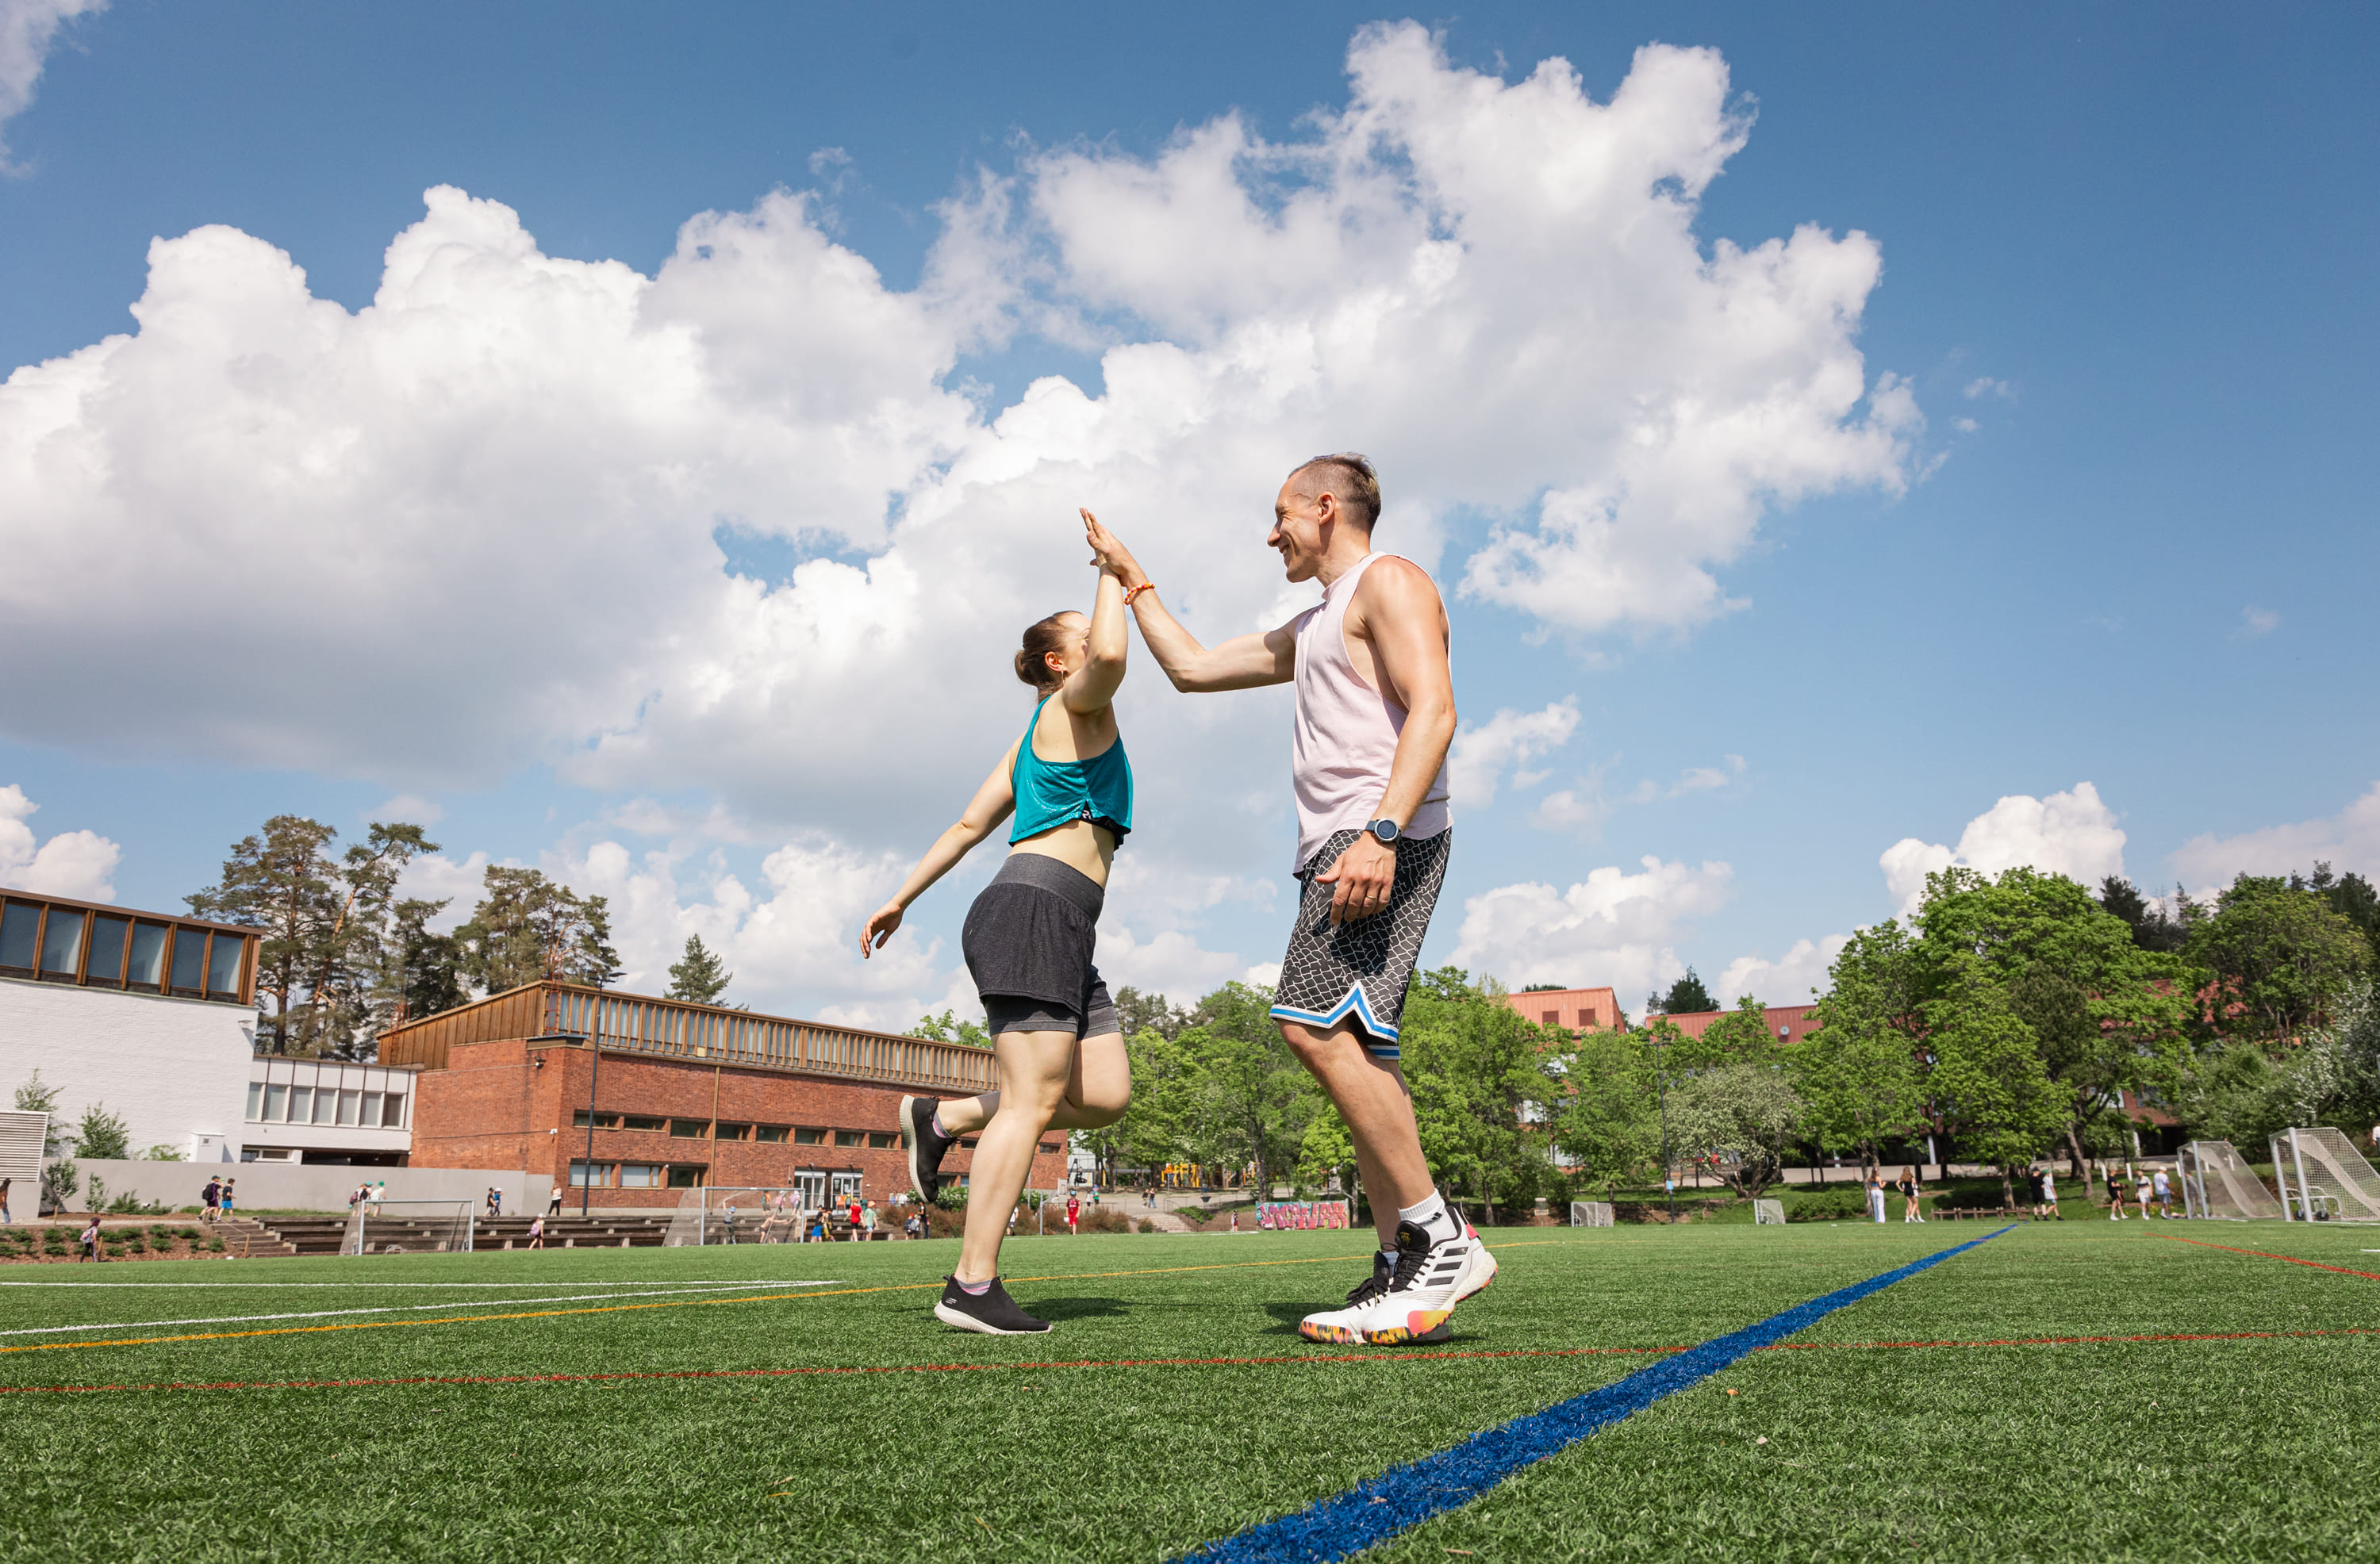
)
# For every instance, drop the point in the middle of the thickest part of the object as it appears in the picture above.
(1138, 1013)
(1686, 997)
(948, 1028)
(103, 1135)
(2280, 959)
(1739, 1037)
(527, 928)
(1605, 1116)
(2153, 927)
(698, 977)
(1484, 1092)
(350, 954)
(2351, 896)
(60, 1178)
(281, 881)
(1739, 1116)
(1988, 1081)
(1861, 1074)
(419, 973)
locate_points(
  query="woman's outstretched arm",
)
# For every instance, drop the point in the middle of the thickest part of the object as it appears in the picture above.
(1094, 684)
(993, 802)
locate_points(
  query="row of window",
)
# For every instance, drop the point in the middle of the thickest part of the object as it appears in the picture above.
(701, 1128)
(275, 1102)
(110, 951)
(814, 1184)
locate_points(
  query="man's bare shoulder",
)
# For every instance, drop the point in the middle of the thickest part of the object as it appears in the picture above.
(1394, 585)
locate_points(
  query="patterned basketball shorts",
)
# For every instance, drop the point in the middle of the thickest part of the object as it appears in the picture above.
(1358, 971)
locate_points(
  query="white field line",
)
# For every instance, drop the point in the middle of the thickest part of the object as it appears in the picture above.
(384, 1309)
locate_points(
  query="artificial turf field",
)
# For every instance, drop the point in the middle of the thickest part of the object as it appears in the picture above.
(2079, 1390)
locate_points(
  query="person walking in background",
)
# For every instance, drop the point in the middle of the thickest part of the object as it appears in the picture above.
(2164, 1189)
(2049, 1191)
(2115, 1196)
(2142, 1192)
(1907, 1186)
(1876, 1196)
(868, 1220)
(89, 1240)
(4, 1200)
(1074, 1213)
(225, 1205)
(209, 1199)
(553, 1202)
(537, 1233)
(728, 1214)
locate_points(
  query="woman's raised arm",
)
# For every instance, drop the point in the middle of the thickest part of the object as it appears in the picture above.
(1094, 684)
(992, 803)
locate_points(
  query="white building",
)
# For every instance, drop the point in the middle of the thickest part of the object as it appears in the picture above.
(149, 1015)
(320, 1110)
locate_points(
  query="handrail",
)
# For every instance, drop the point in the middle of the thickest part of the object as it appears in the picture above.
(682, 1030)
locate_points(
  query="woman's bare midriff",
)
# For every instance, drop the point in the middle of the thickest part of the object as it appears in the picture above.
(1078, 844)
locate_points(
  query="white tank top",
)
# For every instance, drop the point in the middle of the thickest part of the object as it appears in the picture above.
(1343, 734)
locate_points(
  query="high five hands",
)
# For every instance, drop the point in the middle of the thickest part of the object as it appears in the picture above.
(1110, 554)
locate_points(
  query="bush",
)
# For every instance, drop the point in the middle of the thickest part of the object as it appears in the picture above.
(1826, 1206)
(1146, 1225)
(952, 1197)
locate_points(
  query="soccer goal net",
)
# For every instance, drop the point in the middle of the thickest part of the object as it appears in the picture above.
(744, 1214)
(411, 1227)
(2323, 1178)
(1590, 1213)
(1768, 1213)
(2218, 1183)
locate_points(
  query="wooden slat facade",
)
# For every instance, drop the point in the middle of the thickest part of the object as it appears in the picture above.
(675, 1029)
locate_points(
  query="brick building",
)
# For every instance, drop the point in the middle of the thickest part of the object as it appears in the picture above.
(678, 1097)
(1578, 1010)
(1787, 1024)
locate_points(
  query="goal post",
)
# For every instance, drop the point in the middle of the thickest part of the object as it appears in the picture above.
(740, 1214)
(1590, 1213)
(1768, 1213)
(2323, 1178)
(2218, 1185)
(411, 1227)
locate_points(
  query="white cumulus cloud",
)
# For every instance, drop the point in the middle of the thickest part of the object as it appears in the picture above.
(1483, 754)
(2070, 833)
(1613, 927)
(28, 29)
(80, 864)
(1788, 980)
(2348, 841)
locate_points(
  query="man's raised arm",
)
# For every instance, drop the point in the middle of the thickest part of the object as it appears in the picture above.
(1267, 657)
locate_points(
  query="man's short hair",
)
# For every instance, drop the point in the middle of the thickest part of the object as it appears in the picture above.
(1350, 476)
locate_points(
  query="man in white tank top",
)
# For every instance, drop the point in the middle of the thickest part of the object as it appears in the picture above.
(1374, 717)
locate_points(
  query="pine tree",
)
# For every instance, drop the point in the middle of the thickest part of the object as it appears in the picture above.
(698, 977)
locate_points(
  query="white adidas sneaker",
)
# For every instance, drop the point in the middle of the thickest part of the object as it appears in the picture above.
(1427, 1280)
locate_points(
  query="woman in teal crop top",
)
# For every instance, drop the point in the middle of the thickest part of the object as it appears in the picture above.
(1058, 1051)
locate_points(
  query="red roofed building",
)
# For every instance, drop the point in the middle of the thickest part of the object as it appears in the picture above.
(1787, 1024)
(1577, 1010)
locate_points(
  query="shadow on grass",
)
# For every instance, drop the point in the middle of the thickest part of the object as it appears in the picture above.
(1056, 1309)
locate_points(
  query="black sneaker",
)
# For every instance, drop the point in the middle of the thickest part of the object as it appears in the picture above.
(926, 1145)
(989, 1313)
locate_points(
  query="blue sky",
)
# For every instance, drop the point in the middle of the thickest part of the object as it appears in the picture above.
(2104, 524)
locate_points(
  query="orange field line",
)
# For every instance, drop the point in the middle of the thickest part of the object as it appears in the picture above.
(2264, 1255)
(675, 1303)
(1285, 1358)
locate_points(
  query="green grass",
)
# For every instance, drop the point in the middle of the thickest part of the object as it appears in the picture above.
(2239, 1448)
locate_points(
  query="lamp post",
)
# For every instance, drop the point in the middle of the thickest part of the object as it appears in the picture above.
(1669, 1168)
(594, 1069)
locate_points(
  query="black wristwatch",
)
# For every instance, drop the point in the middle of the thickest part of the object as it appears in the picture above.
(1385, 831)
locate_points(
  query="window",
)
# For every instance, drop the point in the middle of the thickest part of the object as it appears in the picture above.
(639, 1175)
(686, 1177)
(809, 1137)
(586, 1120)
(276, 1100)
(223, 964)
(392, 1110)
(579, 1178)
(733, 1131)
(640, 1122)
(301, 1105)
(880, 1140)
(1549, 1017)
(688, 1129)
(771, 1131)
(370, 1114)
(189, 955)
(148, 955)
(107, 964)
(61, 943)
(20, 922)
(846, 1187)
(255, 1101)
(348, 1106)
(849, 1138)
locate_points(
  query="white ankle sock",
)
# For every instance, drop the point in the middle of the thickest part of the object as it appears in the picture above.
(1432, 1216)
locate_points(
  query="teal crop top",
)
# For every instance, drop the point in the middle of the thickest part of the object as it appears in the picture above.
(1050, 792)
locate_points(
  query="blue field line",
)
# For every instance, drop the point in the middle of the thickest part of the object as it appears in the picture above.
(1406, 1496)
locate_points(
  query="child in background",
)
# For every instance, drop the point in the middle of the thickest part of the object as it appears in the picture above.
(2115, 1196)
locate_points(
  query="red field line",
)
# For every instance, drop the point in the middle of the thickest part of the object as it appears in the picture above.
(2264, 1255)
(1285, 1358)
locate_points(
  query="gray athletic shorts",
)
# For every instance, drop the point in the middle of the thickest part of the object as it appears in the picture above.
(1029, 942)
(1359, 971)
